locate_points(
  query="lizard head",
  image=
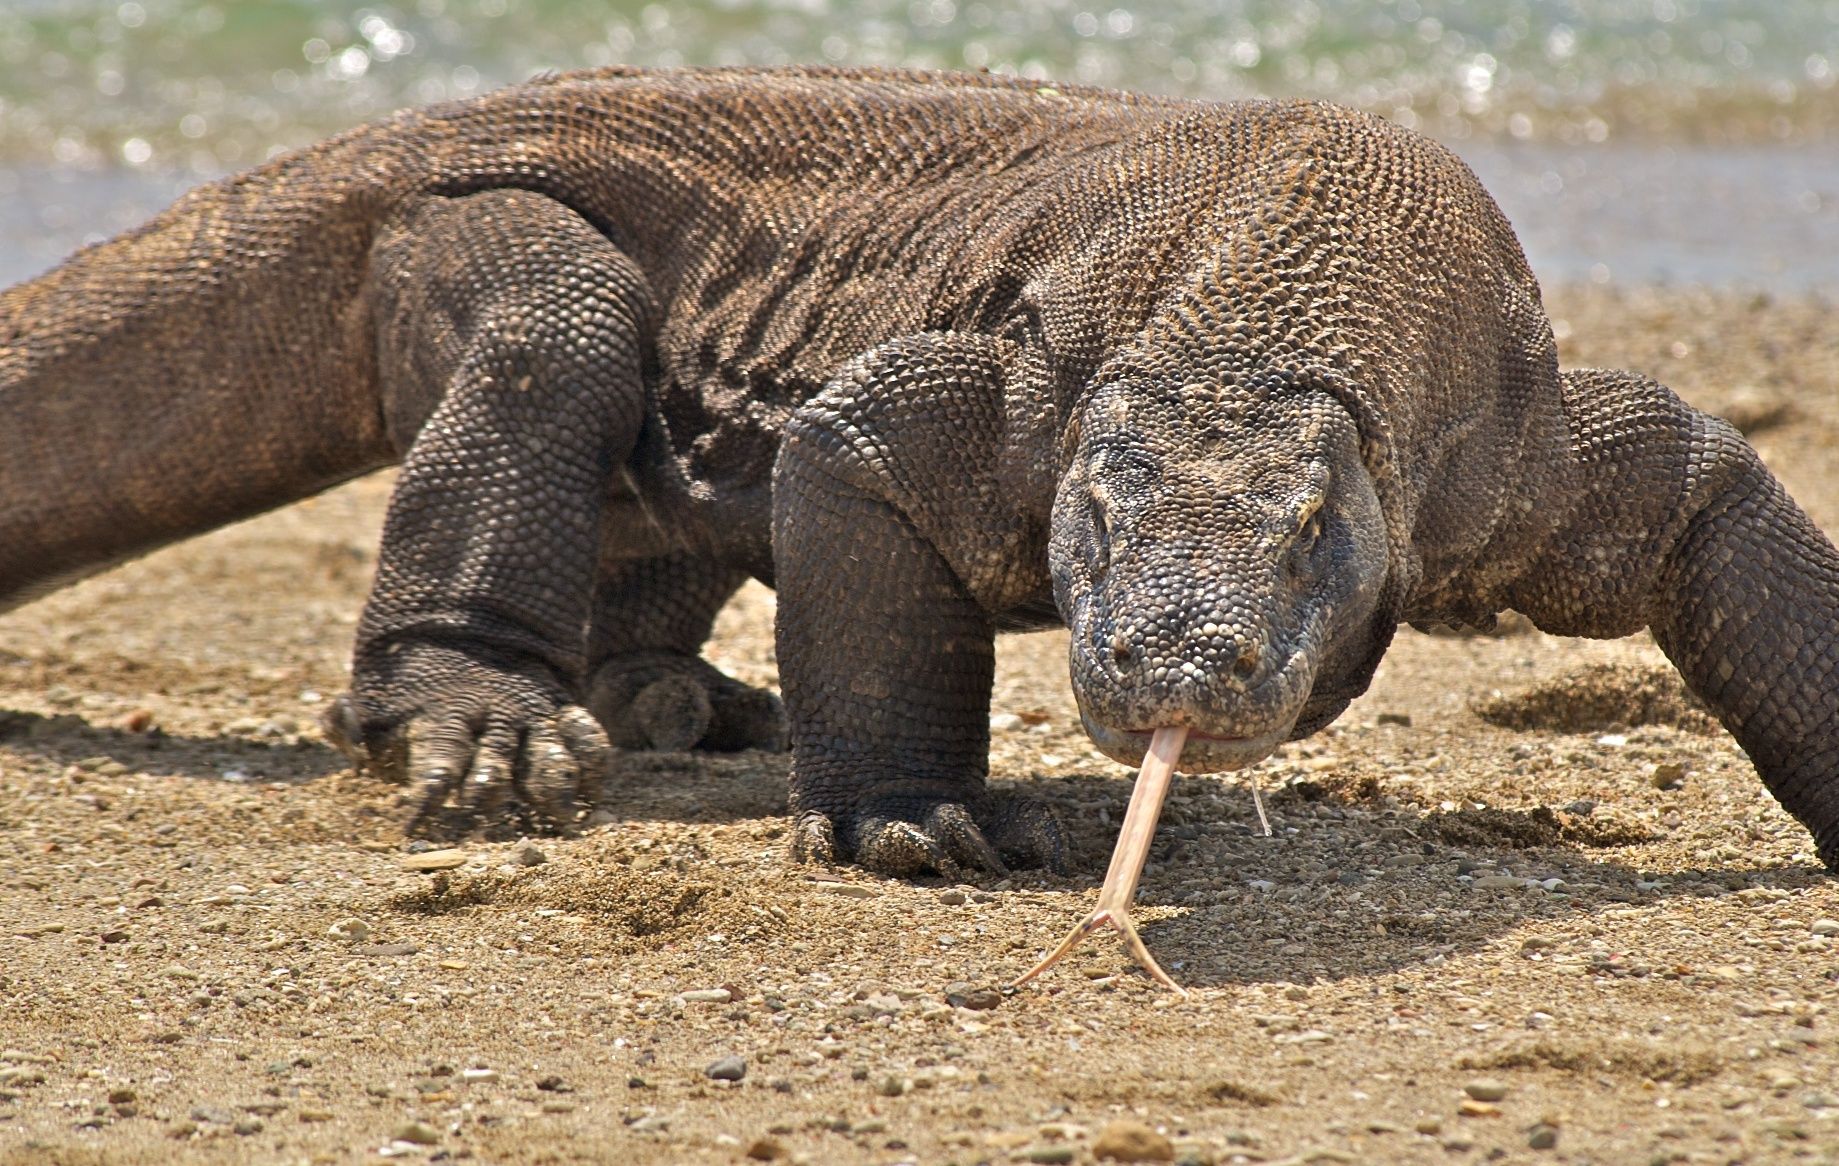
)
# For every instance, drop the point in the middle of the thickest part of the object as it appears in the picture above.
(1218, 551)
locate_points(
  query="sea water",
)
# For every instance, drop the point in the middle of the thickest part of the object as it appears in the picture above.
(1686, 141)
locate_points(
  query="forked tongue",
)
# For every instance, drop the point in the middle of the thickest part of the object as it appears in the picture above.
(1133, 840)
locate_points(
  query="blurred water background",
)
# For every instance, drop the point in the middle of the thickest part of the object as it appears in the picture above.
(1683, 141)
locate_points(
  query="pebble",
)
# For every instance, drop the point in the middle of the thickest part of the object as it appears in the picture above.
(529, 854)
(1486, 1089)
(1498, 882)
(1543, 1136)
(727, 1069)
(765, 1149)
(1825, 927)
(1049, 1153)
(417, 1133)
(1472, 1108)
(248, 1125)
(963, 994)
(351, 930)
(433, 860)
(1005, 722)
(1668, 775)
(850, 890)
(1131, 1141)
(952, 898)
(707, 996)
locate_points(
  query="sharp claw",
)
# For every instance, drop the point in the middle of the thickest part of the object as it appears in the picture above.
(814, 839)
(344, 728)
(1120, 887)
(902, 849)
(962, 840)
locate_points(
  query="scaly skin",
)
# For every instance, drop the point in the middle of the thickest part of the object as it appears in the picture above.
(1231, 389)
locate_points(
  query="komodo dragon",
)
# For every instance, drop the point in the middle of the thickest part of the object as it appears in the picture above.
(1230, 390)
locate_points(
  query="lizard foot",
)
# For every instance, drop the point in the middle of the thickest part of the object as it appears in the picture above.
(671, 702)
(483, 746)
(894, 836)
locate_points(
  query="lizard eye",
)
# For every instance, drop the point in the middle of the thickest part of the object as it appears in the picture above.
(1308, 531)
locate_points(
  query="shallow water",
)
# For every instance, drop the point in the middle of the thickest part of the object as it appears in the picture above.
(1629, 140)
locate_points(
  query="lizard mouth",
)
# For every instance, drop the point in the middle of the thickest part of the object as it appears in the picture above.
(1204, 752)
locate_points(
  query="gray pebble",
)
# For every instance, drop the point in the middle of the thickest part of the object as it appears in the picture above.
(529, 854)
(1486, 1089)
(1542, 1136)
(1825, 927)
(727, 1069)
(963, 994)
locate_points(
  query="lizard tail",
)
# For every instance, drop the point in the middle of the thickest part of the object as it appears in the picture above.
(212, 364)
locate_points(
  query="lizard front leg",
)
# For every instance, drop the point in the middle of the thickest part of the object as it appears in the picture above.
(1674, 522)
(894, 547)
(513, 328)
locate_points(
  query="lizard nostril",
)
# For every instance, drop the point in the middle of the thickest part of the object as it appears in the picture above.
(1247, 662)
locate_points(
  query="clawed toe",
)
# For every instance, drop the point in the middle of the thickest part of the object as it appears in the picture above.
(949, 838)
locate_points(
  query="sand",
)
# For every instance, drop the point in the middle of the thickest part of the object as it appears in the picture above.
(1577, 929)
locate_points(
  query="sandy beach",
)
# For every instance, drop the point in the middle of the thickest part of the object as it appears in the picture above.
(1522, 904)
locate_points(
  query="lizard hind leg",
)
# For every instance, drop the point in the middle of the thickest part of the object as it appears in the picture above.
(1676, 523)
(647, 683)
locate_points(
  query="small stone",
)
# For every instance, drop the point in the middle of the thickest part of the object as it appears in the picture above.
(180, 1130)
(1472, 1108)
(1825, 927)
(433, 860)
(1005, 722)
(963, 994)
(1543, 1136)
(727, 1069)
(122, 1097)
(1429, 1126)
(529, 854)
(417, 1133)
(478, 1074)
(892, 1086)
(1486, 1089)
(1402, 720)
(353, 930)
(1050, 1153)
(1131, 1141)
(313, 1115)
(850, 890)
(1498, 882)
(952, 898)
(248, 1125)
(1668, 775)
(1582, 807)
(765, 1149)
(707, 996)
